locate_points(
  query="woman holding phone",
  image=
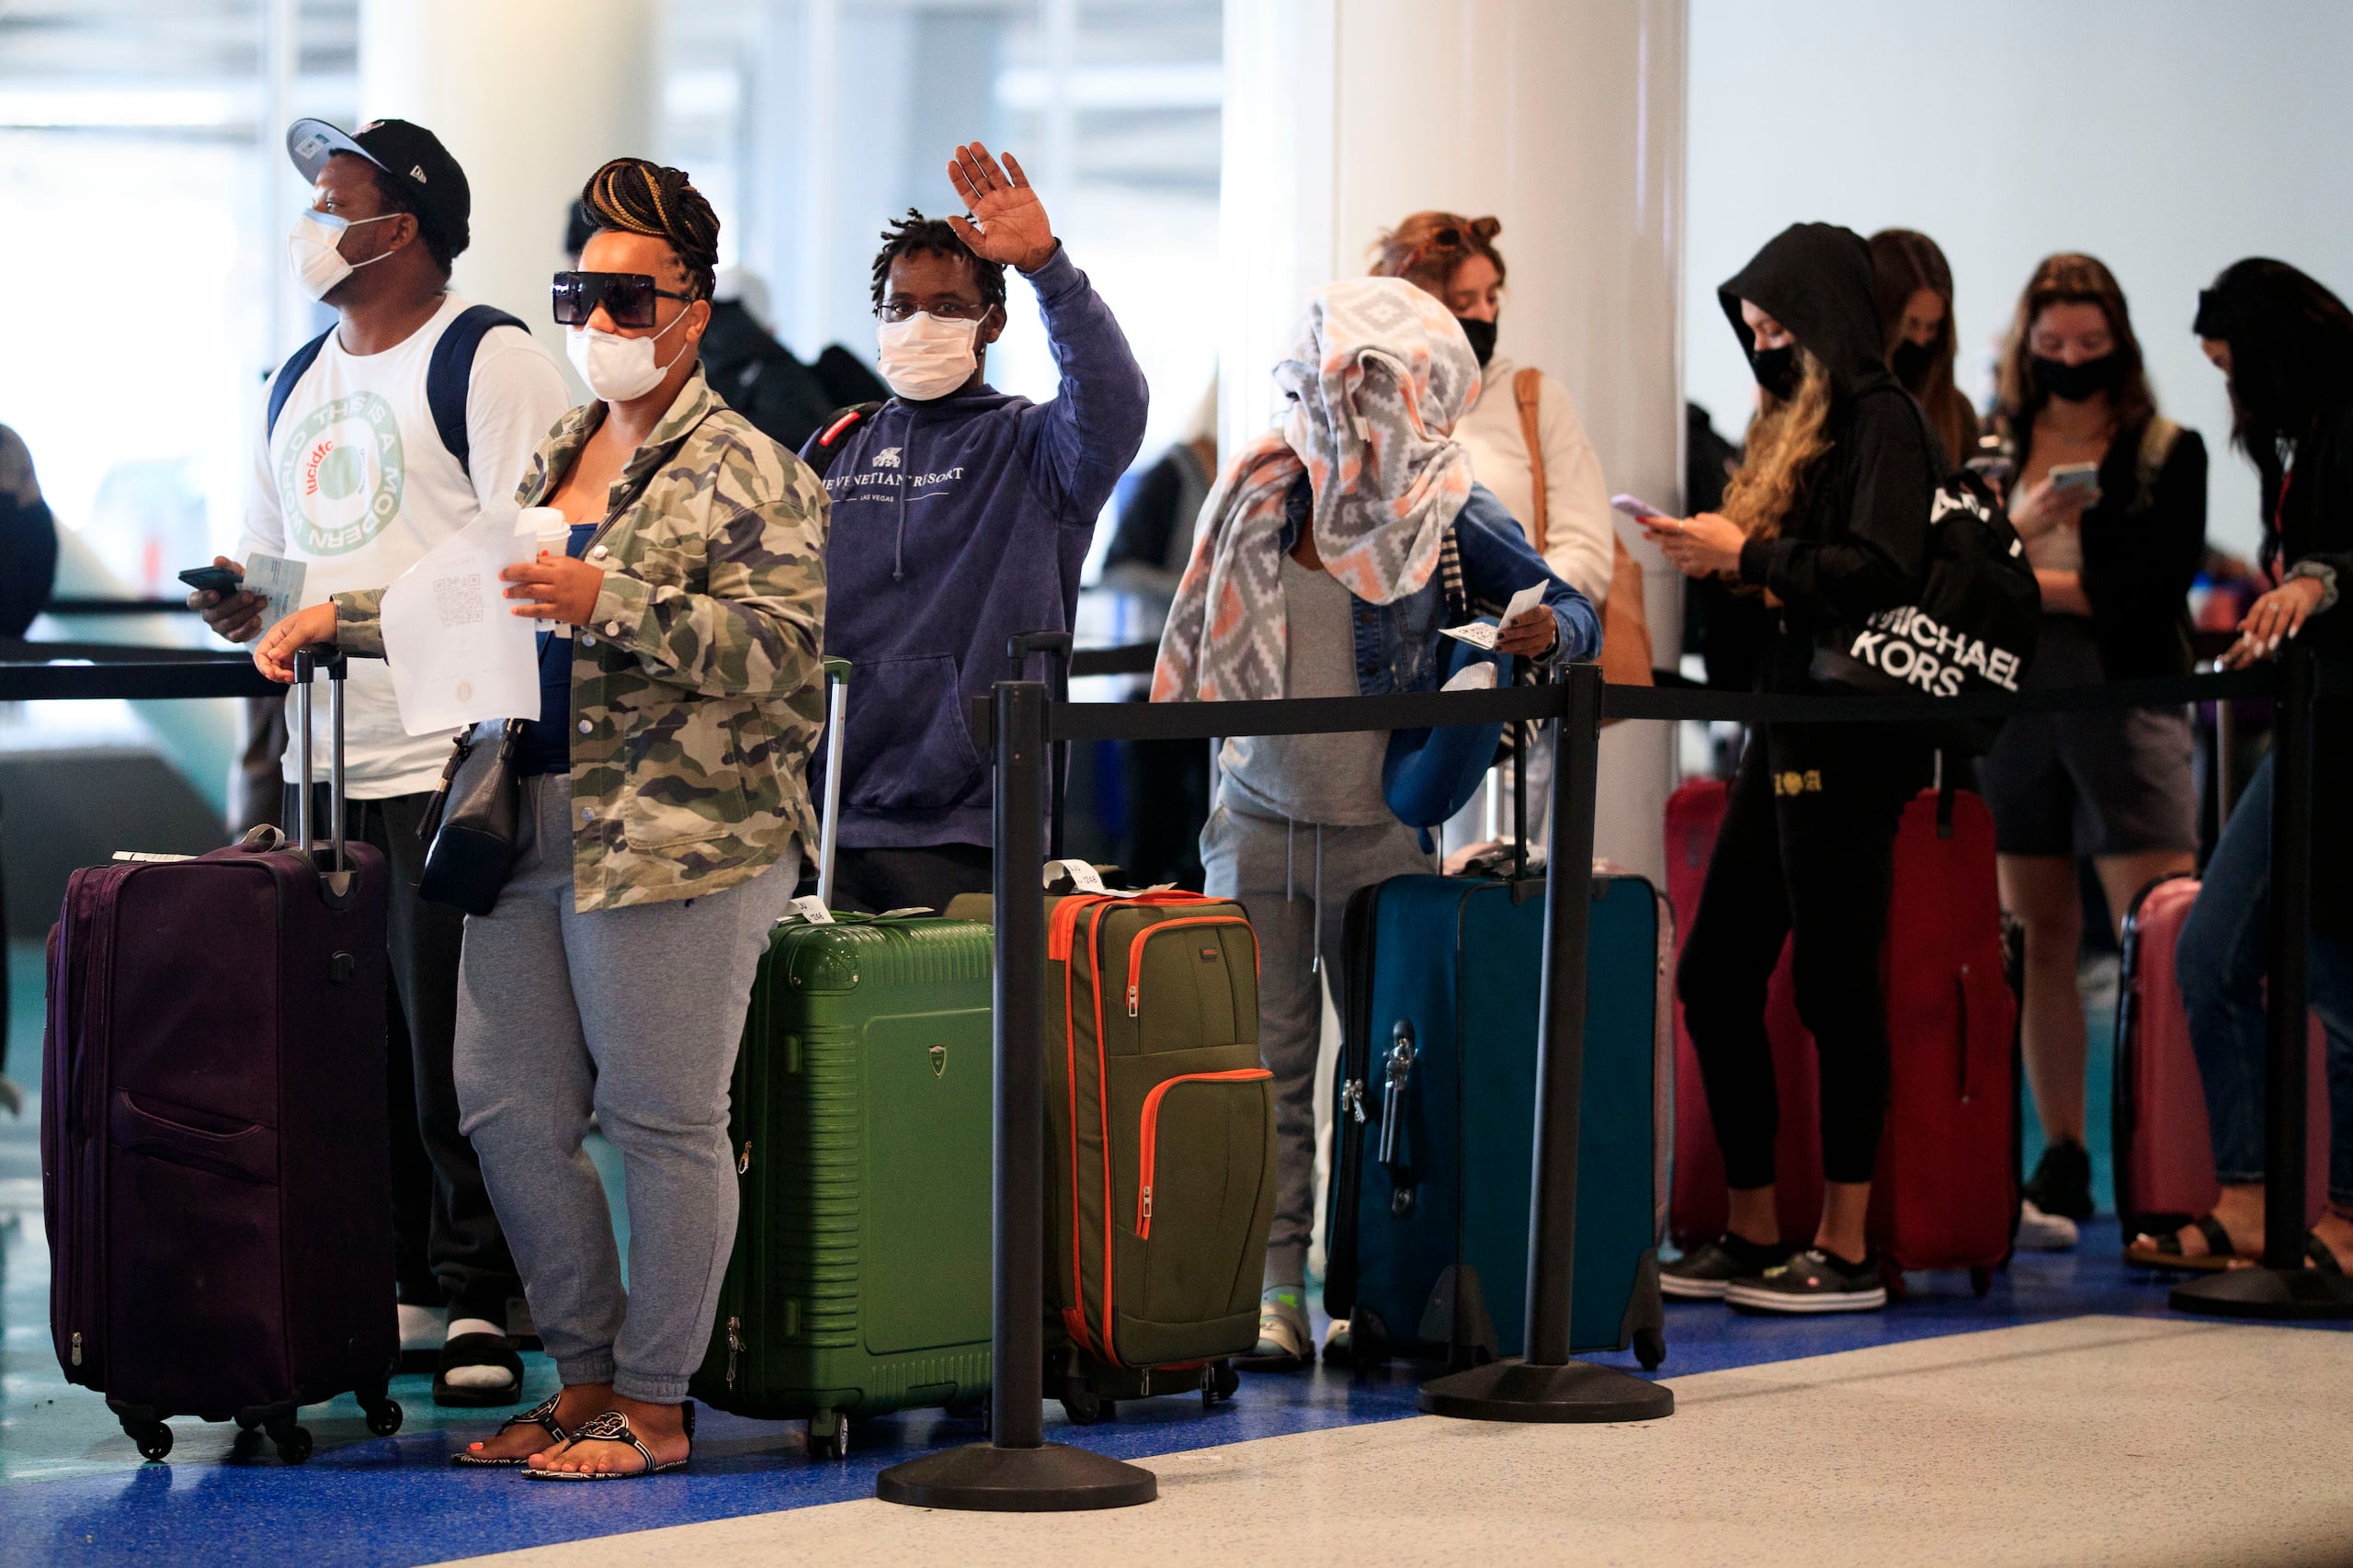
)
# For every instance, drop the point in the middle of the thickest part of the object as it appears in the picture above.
(663, 808)
(2110, 500)
(2286, 344)
(1828, 518)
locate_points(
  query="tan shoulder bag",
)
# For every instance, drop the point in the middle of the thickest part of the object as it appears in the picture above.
(1625, 629)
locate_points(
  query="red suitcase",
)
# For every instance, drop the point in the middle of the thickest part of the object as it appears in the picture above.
(215, 1155)
(1945, 1194)
(2165, 1156)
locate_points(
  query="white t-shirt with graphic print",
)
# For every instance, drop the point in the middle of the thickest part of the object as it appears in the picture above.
(356, 484)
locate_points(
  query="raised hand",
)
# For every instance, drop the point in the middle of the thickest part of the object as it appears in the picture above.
(1007, 221)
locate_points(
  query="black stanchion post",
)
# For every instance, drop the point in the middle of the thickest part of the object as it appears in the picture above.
(1545, 1384)
(1017, 1470)
(2283, 1287)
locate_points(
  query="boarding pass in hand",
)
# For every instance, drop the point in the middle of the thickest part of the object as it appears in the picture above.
(1479, 634)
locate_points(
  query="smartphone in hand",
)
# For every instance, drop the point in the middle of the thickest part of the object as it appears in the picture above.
(2076, 477)
(1637, 509)
(223, 580)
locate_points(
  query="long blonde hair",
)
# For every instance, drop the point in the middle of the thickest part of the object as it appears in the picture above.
(1784, 441)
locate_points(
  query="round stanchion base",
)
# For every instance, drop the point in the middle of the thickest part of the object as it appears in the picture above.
(2274, 1294)
(1574, 1390)
(1049, 1479)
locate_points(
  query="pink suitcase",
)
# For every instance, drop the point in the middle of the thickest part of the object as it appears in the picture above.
(2165, 1154)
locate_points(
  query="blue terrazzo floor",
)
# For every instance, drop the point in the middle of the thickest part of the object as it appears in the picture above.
(72, 1489)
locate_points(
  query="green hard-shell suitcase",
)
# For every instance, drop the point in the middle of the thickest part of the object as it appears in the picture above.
(862, 1119)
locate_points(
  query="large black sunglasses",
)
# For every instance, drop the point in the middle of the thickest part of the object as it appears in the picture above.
(627, 298)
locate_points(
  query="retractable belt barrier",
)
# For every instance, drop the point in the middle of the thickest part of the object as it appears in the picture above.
(1018, 725)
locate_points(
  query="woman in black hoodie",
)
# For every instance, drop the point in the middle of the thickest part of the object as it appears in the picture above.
(1828, 518)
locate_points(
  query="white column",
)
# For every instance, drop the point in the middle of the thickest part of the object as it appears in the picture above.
(530, 96)
(1565, 121)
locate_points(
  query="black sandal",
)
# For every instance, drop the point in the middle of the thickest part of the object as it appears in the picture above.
(2320, 1256)
(541, 1415)
(478, 1350)
(2165, 1252)
(612, 1426)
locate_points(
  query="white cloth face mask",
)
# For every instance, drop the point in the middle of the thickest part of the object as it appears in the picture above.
(316, 250)
(617, 368)
(927, 357)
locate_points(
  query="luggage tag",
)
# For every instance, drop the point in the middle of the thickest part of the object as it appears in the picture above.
(1086, 879)
(810, 909)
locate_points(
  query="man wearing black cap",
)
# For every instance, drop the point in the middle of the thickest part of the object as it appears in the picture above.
(411, 418)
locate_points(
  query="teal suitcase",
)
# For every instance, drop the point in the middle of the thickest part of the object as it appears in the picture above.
(1434, 1126)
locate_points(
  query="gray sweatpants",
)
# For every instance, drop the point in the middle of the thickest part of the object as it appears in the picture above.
(1271, 867)
(636, 1014)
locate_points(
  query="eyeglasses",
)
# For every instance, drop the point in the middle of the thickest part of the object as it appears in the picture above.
(895, 311)
(627, 298)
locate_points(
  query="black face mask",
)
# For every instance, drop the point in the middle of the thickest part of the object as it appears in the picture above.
(1912, 361)
(2074, 383)
(1776, 370)
(1482, 335)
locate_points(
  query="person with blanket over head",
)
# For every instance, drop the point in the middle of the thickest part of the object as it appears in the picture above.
(1328, 559)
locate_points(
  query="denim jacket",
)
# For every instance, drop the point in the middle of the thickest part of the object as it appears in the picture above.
(1397, 644)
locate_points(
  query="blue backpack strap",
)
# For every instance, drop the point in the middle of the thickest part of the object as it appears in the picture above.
(282, 386)
(451, 370)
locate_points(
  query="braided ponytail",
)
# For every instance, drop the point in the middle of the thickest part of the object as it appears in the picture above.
(638, 196)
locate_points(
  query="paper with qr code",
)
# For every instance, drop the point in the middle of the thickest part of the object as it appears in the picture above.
(456, 654)
(280, 583)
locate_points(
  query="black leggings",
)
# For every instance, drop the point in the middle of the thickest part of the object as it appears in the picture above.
(1807, 848)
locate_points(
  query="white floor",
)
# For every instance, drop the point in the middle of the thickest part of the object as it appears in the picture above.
(2091, 1440)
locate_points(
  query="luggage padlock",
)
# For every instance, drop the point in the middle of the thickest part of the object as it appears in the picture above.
(1352, 1099)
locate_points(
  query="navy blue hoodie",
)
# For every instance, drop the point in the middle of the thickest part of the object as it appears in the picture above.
(956, 523)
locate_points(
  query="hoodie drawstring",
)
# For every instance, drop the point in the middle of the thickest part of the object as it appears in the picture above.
(898, 555)
(1315, 907)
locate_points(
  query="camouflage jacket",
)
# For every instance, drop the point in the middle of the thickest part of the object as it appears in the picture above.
(697, 686)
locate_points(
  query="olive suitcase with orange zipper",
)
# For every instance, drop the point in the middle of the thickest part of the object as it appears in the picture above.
(1160, 1184)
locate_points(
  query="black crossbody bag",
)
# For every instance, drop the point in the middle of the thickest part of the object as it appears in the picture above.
(473, 826)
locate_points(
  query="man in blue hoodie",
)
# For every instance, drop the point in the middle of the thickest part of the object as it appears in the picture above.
(960, 516)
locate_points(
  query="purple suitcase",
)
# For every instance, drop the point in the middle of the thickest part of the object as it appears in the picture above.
(214, 1147)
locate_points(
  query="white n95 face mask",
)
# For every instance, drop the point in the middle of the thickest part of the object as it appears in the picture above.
(617, 368)
(926, 355)
(314, 249)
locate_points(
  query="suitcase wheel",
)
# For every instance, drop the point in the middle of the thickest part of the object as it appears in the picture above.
(1981, 1281)
(1219, 1382)
(383, 1416)
(1650, 1349)
(246, 1420)
(293, 1442)
(974, 1409)
(1368, 1343)
(829, 1436)
(1084, 1406)
(154, 1438)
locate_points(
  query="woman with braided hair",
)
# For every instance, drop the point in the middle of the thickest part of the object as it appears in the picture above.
(664, 807)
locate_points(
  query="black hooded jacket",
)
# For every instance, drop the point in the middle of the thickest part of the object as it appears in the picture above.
(1856, 538)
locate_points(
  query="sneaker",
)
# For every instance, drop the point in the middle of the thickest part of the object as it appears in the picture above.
(1285, 1343)
(1812, 1282)
(1702, 1273)
(2039, 1231)
(2062, 1184)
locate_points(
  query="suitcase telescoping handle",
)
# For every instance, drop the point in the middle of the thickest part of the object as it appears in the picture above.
(307, 662)
(1056, 646)
(830, 812)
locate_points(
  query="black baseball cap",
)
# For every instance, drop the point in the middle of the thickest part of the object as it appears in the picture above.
(413, 155)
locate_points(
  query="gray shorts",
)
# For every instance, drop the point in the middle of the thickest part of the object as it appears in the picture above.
(2116, 782)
